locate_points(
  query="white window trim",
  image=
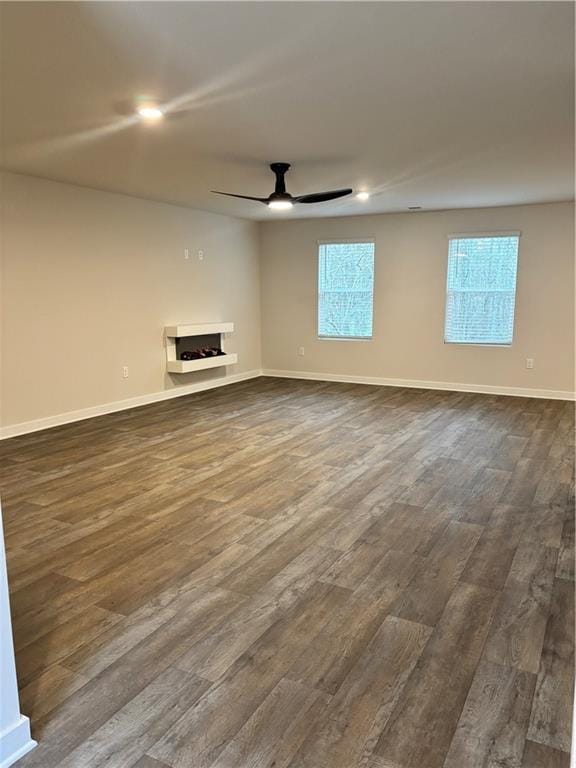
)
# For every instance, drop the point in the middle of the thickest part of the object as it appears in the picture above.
(337, 241)
(499, 233)
(473, 235)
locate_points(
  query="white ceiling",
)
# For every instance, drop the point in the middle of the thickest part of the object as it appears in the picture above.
(443, 105)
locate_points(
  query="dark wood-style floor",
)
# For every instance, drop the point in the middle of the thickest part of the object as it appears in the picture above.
(297, 575)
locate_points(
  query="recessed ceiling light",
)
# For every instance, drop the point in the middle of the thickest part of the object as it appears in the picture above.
(280, 205)
(150, 112)
(363, 195)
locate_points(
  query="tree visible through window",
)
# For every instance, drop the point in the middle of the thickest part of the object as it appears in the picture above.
(481, 289)
(345, 290)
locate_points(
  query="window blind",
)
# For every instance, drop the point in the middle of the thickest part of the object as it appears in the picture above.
(345, 290)
(481, 289)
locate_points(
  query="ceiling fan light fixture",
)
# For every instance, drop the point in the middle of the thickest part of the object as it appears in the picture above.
(280, 200)
(363, 196)
(280, 205)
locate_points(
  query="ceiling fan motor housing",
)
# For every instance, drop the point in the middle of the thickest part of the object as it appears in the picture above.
(279, 169)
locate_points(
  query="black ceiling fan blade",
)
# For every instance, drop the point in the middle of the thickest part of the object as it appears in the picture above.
(243, 197)
(322, 197)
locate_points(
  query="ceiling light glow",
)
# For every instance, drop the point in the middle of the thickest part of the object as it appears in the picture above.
(363, 195)
(280, 205)
(150, 113)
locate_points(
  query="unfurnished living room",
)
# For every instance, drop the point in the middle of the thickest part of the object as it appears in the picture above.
(287, 384)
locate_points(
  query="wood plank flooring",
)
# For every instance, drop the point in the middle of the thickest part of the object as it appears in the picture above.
(290, 574)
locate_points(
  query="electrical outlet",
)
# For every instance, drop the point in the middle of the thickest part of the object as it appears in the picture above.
(200, 255)
(125, 372)
(301, 351)
(530, 362)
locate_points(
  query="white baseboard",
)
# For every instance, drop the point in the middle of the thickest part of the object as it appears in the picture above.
(15, 742)
(122, 405)
(135, 402)
(549, 394)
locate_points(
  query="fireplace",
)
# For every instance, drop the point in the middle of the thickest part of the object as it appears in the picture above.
(198, 346)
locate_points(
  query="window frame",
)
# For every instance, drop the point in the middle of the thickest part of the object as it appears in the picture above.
(471, 236)
(343, 241)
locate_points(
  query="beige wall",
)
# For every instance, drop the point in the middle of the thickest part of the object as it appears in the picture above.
(91, 278)
(410, 274)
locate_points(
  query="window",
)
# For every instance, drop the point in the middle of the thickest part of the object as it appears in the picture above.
(480, 289)
(345, 290)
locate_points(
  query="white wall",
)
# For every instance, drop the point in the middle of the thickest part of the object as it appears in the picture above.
(91, 278)
(15, 738)
(410, 278)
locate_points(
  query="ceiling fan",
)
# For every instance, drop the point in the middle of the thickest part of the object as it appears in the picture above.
(281, 200)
